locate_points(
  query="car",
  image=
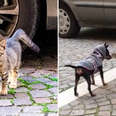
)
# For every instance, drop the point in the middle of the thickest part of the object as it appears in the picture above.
(74, 14)
(32, 16)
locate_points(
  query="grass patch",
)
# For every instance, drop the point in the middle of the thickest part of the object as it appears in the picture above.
(48, 86)
(45, 109)
(23, 81)
(35, 82)
(12, 101)
(27, 84)
(54, 101)
(50, 77)
(54, 79)
(30, 96)
(11, 91)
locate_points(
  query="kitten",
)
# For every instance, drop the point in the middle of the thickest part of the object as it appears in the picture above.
(10, 58)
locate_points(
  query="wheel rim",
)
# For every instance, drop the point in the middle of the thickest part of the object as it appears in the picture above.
(64, 22)
(9, 13)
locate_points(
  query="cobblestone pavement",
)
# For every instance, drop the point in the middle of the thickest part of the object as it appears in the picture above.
(36, 94)
(74, 49)
(103, 104)
(71, 50)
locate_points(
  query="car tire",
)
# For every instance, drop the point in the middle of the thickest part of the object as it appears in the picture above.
(28, 16)
(68, 26)
(25, 14)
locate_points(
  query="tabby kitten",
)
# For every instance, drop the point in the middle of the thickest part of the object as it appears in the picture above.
(10, 58)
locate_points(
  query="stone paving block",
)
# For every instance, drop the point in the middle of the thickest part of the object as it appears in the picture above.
(90, 115)
(75, 103)
(36, 74)
(22, 101)
(104, 113)
(114, 107)
(9, 96)
(21, 95)
(52, 114)
(112, 96)
(31, 114)
(42, 100)
(28, 78)
(10, 111)
(5, 102)
(27, 70)
(104, 103)
(32, 109)
(114, 113)
(91, 111)
(53, 107)
(113, 101)
(65, 112)
(77, 113)
(54, 90)
(101, 100)
(40, 93)
(105, 108)
(21, 89)
(90, 106)
(53, 83)
(38, 86)
(44, 80)
(78, 107)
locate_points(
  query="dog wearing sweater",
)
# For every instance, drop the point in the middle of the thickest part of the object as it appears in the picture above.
(91, 65)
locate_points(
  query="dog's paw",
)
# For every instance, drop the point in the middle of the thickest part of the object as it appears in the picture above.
(93, 83)
(93, 95)
(105, 84)
(76, 94)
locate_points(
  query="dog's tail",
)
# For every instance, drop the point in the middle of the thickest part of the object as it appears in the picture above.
(21, 35)
(70, 66)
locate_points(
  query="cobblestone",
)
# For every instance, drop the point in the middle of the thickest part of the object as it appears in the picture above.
(53, 107)
(71, 50)
(5, 102)
(22, 101)
(30, 99)
(32, 109)
(40, 93)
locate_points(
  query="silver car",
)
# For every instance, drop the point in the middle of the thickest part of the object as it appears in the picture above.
(75, 14)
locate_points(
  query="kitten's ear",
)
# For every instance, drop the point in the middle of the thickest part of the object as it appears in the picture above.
(106, 45)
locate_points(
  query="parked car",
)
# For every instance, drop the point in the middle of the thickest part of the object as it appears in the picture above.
(30, 15)
(74, 14)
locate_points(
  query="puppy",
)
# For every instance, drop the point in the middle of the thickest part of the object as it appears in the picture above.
(91, 65)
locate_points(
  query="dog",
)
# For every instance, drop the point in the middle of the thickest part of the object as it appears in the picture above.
(91, 65)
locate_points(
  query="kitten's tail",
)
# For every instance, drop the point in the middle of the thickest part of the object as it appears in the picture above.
(70, 66)
(21, 35)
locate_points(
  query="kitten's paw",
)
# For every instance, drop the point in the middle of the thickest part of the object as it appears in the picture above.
(13, 85)
(4, 92)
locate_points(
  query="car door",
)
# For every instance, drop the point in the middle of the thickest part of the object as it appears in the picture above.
(51, 14)
(90, 11)
(110, 12)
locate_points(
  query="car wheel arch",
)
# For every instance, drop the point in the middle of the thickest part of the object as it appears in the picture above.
(72, 9)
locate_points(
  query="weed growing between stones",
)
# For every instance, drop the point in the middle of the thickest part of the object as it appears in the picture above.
(11, 91)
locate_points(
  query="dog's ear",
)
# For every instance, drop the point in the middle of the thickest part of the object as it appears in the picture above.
(106, 45)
